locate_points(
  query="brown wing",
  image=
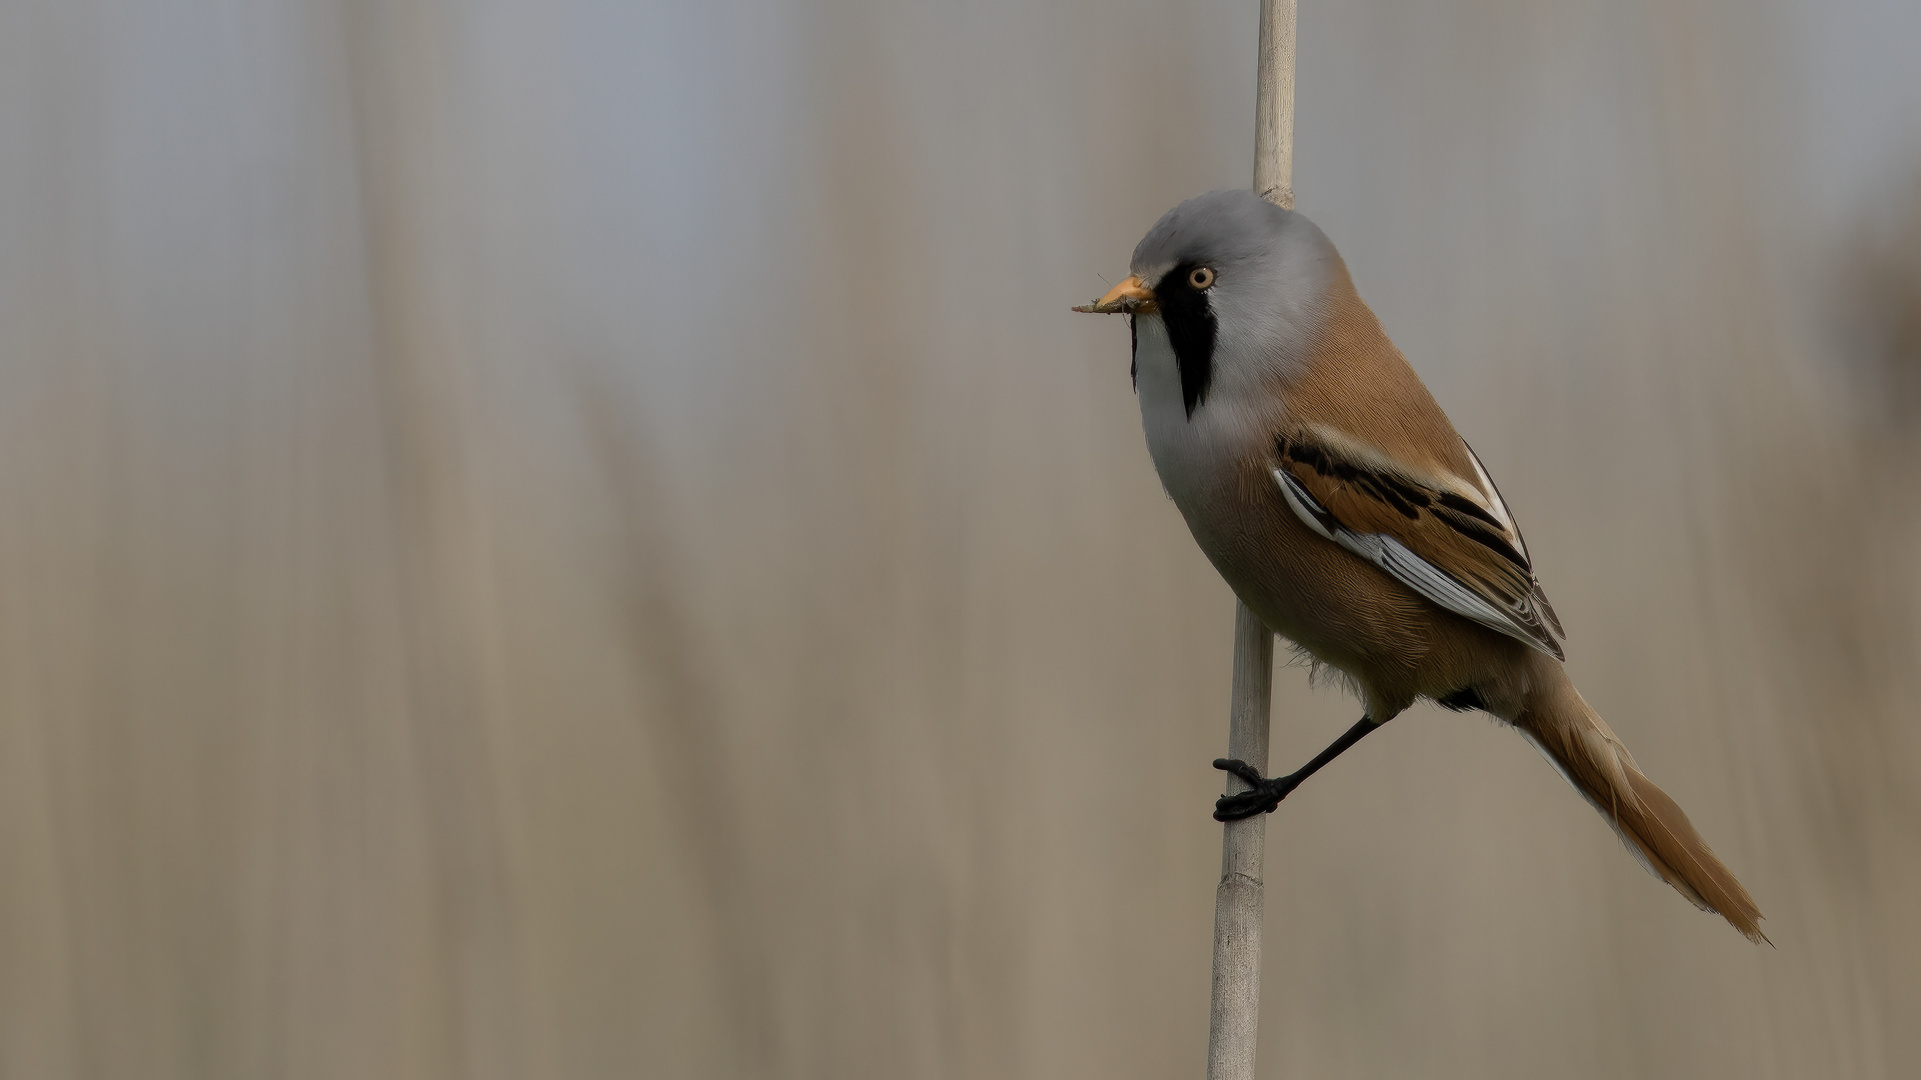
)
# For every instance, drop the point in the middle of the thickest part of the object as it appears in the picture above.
(1450, 539)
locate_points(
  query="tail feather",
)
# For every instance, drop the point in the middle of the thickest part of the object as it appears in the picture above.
(1579, 744)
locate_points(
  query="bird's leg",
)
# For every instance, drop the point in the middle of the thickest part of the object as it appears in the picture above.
(1267, 794)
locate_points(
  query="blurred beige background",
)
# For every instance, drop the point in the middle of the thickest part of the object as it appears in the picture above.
(581, 539)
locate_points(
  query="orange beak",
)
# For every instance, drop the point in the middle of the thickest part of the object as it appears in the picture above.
(1129, 296)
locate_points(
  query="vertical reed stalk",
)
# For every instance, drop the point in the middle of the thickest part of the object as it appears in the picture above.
(1234, 1019)
(1236, 1013)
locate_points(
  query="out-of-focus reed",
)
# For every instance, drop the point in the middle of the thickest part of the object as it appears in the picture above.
(582, 540)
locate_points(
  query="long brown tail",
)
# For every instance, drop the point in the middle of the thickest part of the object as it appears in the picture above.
(1580, 744)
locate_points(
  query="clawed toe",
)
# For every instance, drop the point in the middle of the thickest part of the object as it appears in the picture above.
(1262, 799)
(1246, 804)
(1249, 775)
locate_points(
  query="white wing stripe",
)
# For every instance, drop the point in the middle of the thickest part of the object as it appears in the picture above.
(1400, 563)
(1494, 501)
(1430, 582)
(1296, 495)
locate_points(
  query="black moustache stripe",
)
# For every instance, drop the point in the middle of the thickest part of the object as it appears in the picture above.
(1190, 330)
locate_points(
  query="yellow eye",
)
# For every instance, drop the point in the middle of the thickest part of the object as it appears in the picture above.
(1201, 277)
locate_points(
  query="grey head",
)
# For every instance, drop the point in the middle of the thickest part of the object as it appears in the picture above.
(1241, 287)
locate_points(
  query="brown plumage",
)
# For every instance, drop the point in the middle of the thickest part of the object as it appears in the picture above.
(1588, 754)
(1326, 485)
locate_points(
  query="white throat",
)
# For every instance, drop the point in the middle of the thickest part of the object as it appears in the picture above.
(1190, 452)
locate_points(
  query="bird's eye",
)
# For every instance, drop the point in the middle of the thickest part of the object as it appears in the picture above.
(1201, 277)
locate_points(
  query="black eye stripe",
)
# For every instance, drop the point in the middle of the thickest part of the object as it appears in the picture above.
(1189, 318)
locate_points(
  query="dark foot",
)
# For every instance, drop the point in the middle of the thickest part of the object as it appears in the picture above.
(1265, 796)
